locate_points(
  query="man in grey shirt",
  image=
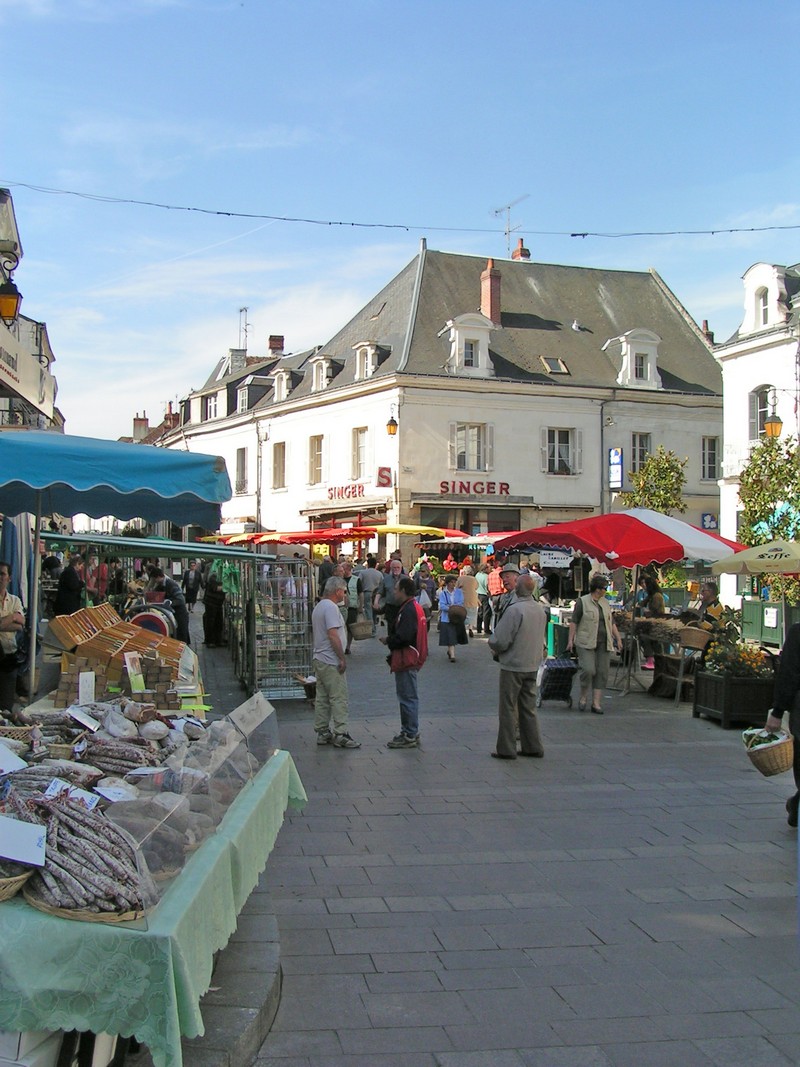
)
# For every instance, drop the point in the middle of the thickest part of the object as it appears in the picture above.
(518, 644)
(329, 632)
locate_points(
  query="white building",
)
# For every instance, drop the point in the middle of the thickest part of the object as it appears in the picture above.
(761, 374)
(509, 383)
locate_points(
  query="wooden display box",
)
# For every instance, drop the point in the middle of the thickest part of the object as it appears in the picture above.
(731, 700)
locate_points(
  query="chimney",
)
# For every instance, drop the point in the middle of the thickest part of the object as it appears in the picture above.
(490, 292)
(275, 344)
(521, 252)
(171, 418)
(237, 358)
(141, 427)
(708, 334)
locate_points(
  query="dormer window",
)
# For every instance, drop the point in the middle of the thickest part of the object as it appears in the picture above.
(469, 345)
(762, 307)
(366, 361)
(280, 386)
(209, 407)
(321, 370)
(241, 399)
(637, 352)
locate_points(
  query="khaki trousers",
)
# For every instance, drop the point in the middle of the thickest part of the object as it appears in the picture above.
(330, 707)
(518, 706)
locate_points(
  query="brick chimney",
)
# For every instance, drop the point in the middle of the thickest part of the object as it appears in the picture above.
(171, 418)
(521, 252)
(275, 344)
(141, 426)
(490, 292)
(708, 334)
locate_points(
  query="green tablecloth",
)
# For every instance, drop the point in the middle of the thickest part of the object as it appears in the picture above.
(146, 978)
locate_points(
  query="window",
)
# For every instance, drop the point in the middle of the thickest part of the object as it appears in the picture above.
(280, 386)
(241, 400)
(709, 466)
(241, 470)
(640, 366)
(359, 459)
(641, 446)
(321, 375)
(553, 365)
(210, 406)
(279, 465)
(470, 353)
(315, 460)
(471, 446)
(759, 409)
(762, 307)
(562, 450)
(365, 361)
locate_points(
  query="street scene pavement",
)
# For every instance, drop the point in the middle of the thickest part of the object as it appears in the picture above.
(630, 899)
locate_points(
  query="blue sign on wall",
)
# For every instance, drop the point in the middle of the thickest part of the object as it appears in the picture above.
(615, 471)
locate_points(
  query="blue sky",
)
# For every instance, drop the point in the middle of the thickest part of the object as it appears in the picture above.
(612, 117)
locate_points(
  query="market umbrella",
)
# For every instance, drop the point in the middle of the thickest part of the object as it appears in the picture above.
(626, 539)
(410, 528)
(47, 472)
(777, 557)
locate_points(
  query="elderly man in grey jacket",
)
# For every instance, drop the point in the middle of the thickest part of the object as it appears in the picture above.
(518, 645)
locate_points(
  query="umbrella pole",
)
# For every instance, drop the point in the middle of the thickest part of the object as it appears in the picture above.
(34, 605)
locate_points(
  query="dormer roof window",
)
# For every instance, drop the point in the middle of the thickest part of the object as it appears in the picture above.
(242, 399)
(766, 303)
(321, 373)
(637, 355)
(469, 345)
(366, 360)
(280, 385)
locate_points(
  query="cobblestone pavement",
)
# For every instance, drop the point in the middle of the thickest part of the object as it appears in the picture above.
(630, 899)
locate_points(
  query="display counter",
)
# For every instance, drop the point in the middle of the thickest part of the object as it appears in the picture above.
(145, 978)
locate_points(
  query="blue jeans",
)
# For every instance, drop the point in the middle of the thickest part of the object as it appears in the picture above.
(406, 685)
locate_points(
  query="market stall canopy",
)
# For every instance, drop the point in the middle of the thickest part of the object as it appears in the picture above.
(777, 557)
(148, 547)
(409, 528)
(58, 474)
(626, 539)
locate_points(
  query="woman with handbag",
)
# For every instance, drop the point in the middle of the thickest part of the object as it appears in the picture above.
(452, 615)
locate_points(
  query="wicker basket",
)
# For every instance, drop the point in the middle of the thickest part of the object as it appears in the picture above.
(10, 886)
(360, 630)
(774, 758)
(82, 916)
(16, 733)
(65, 750)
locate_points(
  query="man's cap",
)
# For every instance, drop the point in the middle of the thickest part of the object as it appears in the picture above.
(509, 568)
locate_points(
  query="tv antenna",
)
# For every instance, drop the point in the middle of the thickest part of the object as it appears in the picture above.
(506, 210)
(244, 328)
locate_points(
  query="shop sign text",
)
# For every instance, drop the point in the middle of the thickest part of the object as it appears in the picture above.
(478, 488)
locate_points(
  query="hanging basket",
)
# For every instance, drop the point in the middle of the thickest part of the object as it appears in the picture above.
(770, 757)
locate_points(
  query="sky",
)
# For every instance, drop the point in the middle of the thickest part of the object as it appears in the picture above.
(384, 123)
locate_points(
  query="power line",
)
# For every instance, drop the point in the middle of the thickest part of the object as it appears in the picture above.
(407, 227)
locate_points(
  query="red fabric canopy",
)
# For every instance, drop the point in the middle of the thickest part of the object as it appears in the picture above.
(626, 539)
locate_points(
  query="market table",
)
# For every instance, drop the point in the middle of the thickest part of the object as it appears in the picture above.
(145, 978)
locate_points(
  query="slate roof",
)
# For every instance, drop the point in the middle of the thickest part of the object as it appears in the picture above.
(539, 303)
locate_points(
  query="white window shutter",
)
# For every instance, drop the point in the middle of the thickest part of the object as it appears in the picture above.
(577, 465)
(489, 446)
(543, 439)
(451, 451)
(325, 459)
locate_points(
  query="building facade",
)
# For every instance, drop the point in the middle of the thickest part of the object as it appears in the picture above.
(760, 367)
(510, 385)
(27, 384)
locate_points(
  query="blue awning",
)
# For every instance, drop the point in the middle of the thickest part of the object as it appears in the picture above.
(56, 473)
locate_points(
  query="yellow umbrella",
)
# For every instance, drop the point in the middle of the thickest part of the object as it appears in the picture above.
(778, 557)
(407, 528)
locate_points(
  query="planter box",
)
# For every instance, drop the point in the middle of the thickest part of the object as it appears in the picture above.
(732, 700)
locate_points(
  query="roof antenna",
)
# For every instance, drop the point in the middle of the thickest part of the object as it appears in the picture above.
(507, 211)
(244, 328)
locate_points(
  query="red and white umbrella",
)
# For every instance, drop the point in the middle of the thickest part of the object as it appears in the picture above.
(626, 539)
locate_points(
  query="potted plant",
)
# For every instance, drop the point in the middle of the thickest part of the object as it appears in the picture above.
(736, 682)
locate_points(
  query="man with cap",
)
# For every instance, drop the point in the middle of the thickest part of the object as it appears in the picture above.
(509, 573)
(593, 633)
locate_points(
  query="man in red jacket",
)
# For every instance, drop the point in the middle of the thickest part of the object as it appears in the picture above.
(410, 632)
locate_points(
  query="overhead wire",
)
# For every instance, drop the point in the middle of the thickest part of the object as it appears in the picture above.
(407, 227)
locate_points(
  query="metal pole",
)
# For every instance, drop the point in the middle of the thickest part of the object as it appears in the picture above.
(33, 614)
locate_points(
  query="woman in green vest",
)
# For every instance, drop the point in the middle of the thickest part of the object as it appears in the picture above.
(593, 633)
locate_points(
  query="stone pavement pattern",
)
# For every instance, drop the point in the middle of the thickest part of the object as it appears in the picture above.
(629, 900)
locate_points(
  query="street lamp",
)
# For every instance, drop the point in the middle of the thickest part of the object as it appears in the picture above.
(391, 425)
(773, 424)
(10, 296)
